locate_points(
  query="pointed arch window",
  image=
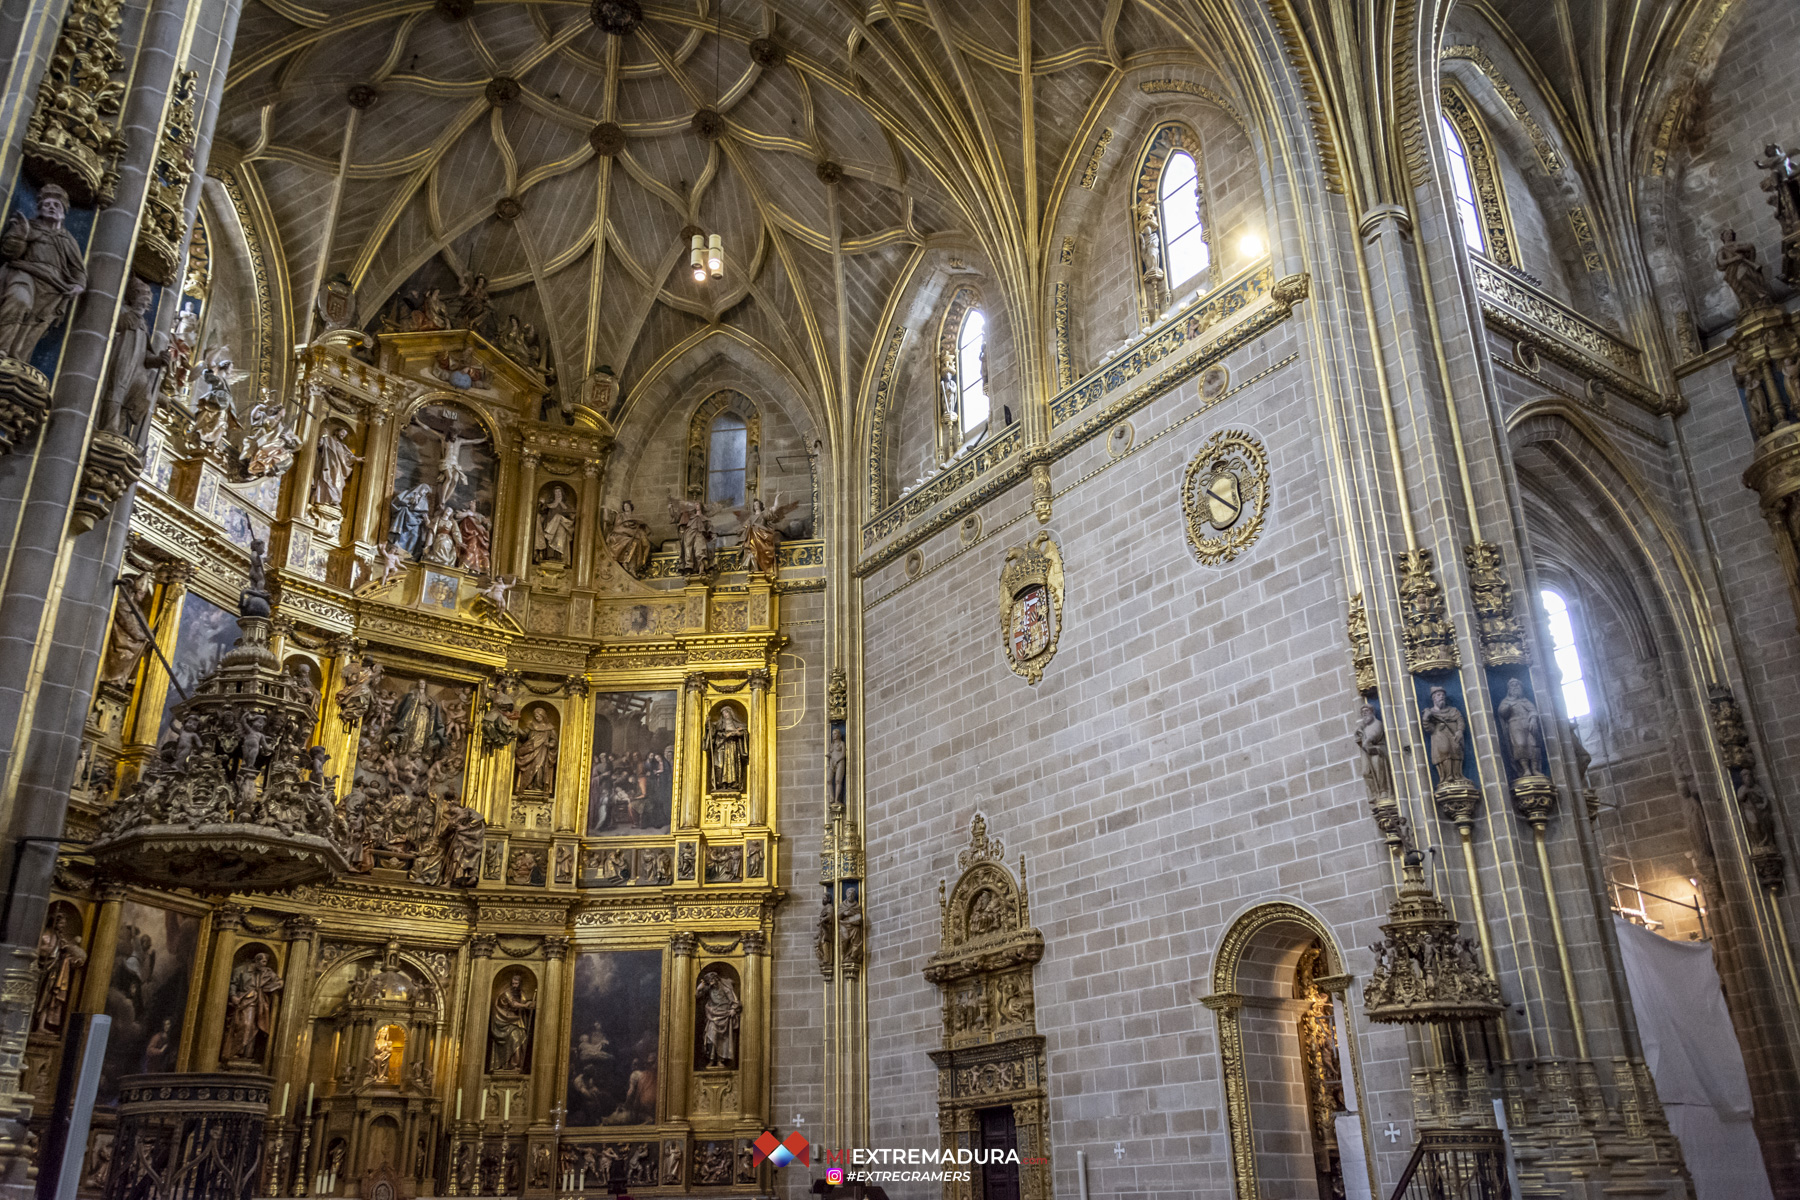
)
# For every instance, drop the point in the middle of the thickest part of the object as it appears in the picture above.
(727, 459)
(1568, 657)
(1184, 233)
(971, 371)
(1476, 190)
(1462, 186)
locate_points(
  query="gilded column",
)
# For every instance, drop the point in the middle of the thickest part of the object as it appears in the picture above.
(474, 1047)
(378, 445)
(586, 522)
(288, 1046)
(681, 1041)
(308, 425)
(751, 1039)
(693, 773)
(103, 947)
(526, 510)
(226, 921)
(572, 767)
(762, 753)
(547, 1053)
(141, 725)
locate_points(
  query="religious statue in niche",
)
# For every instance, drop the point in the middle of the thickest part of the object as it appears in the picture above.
(130, 385)
(696, 535)
(216, 408)
(385, 1056)
(761, 534)
(1782, 183)
(536, 752)
(716, 1000)
(441, 508)
(1444, 731)
(130, 636)
(1519, 720)
(555, 526)
(509, 1027)
(250, 1009)
(268, 444)
(1149, 236)
(1371, 741)
(59, 957)
(949, 391)
(183, 336)
(1743, 274)
(43, 273)
(727, 750)
(336, 461)
(628, 540)
(850, 926)
(836, 765)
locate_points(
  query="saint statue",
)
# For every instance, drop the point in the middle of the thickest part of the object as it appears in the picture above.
(1371, 740)
(1783, 185)
(949, 394)
(850, 927)
(250, 1007)
(1149, 232)
(1444, 729)
(477, 540)
(475, 310)
(836, 756)
(1743, 275)
(629, 541)
(1519, 718)
(762, 539)
(696, 535)
(59, 956)
(335, 463)
(129, 636)
(407, 512)
(381, 1057)
(824, 935)
(720, 1012)
(443, 539)
(42, 275)
(727, 750)
(216, 407)
(418, 728)
(536, 755)
(127, 393)
(556, 525)
(509, 1027)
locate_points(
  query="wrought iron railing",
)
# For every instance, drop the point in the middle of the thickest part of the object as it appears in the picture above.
(1456, 1164)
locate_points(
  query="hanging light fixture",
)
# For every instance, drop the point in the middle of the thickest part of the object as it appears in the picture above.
(715, 256)
(706, 255)
(697, 257)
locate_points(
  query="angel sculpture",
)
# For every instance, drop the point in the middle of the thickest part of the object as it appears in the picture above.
(495, 588)
(762, 536)
(215, 408)
(691, 518)
(181, 350)
(268, 446)
(451, 475)
(474, 310)
(393, 560)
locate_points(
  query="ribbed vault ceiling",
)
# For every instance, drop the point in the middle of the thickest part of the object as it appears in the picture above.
(941, 137)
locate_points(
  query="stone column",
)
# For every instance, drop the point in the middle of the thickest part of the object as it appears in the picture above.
(376, 474)
(751, 1029)
(693, 775)
(288, 1048)
(547, 1053)
(102, 948)
(474, 1047)
(527, 513)
(227, 919)
(756, 791)
(587, 523)
(681, 1037)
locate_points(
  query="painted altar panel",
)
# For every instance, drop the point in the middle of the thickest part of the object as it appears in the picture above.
(203, 635)
(633, 768)
(148, 993)
(615, 1026)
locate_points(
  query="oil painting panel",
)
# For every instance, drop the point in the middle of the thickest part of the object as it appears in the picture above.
(633, 770)
(615, 1023)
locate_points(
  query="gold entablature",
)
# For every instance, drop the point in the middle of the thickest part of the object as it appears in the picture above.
(993, 1056)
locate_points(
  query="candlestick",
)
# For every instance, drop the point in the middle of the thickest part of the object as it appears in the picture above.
(482, 1115)
(459, 1104)
(309, 1096)
(303, 1159)
(284, 1096)
(507, 1097)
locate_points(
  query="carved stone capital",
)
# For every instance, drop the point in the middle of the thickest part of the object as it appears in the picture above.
(759, 681)
(482, 945)
(756, 942)
(228, 918)
(556, 948)
(575, 685)
(113, 892)
(531, 460)
(695, 682)
(300, 928)
(682, 945)
(175, 575)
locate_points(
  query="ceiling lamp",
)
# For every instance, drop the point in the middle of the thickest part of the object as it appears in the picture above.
(706, 255)
(697, 258)
(236, 800)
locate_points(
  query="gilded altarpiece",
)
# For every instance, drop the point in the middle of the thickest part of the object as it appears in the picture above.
(548, 970)
(992, 1080)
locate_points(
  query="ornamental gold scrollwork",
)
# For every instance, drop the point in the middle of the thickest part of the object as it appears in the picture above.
(1225, 496)
(1031, 605)
(71, 138)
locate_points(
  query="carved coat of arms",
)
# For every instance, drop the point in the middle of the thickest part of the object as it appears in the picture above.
(1225, 496)
(1031, 601)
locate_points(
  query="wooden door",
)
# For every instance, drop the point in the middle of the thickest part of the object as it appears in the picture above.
(999, 1181)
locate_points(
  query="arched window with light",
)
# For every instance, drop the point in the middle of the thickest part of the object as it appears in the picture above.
(1462, 186)
(1560, 621)
(727, 459)
(971, 372)
(1184, 232)
(1477, 194)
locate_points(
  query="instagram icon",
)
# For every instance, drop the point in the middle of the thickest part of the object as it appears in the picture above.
(834, 1176)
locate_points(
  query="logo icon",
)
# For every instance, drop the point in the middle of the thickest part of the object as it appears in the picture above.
(781, 1153)
(834, 1176)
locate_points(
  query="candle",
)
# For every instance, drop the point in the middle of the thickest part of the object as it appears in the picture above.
(309, 1094)
(284, 1096)
(507, 1115)
(482, 1115)
(459, 1104)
